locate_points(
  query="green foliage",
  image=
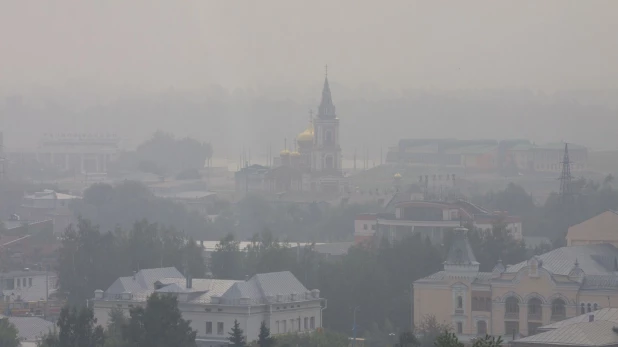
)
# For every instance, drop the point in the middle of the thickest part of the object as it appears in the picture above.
(447, 339)
(488, 341)
(227, 259)
(90, 260)
(237, 337)
(127, 202)
(323, 338)
(429, 329)
(160, 324)
(264, 338)
(113, 334)
(76, 328)
(8, 334)
(408, 339)
(164, 153)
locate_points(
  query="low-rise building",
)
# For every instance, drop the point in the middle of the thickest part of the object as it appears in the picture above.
(212, 305)
(29, 293)
(516, 300)
(431, 219)
(46, 205)
(602, 228)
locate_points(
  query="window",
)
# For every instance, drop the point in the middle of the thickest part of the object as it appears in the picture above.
(312, 323)
(558, 311)
(459, 302)
(512, 308)
(459, 327)
(481, 328)
(285, 326)
(535, 310)
(277, 325)
(583, 309)
(208, 328)
(24, 282)
(511, 327)
(373, 227)
(365, 226)
(30, 282)
(292, 325)
(219, 328)
(306, 323)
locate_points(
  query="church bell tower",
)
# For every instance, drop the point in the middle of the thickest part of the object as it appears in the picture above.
(326, 158)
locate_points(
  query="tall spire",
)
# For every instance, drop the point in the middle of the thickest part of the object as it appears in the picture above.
(565, 177)
(326, 108)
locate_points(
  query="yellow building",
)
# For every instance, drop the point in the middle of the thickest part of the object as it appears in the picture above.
(517, 299)
(602, 228)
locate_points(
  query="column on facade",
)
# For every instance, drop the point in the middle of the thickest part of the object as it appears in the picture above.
(523, 318)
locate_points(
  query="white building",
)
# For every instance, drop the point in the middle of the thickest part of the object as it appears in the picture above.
(79, 152)
(212, 305)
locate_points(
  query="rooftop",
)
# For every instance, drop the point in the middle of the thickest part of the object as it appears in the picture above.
(31, 328)
(596, 259)
(597, 333)
(605, 314)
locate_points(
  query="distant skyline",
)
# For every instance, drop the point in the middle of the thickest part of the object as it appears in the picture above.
(153, 45)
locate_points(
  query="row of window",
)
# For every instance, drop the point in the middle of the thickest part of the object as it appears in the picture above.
(220, 328)
(535, 309)
(481, 304)
(481, 328)
(13, 283)
(282, 326)
(366, 226)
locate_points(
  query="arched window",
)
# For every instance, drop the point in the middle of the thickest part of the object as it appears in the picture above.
(589, 308)
(459, 302)
(535, 310)
(583, 309)
(512, 308)
(558, 310)
(481, 328)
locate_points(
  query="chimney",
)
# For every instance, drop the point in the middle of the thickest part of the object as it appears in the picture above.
(591, 318)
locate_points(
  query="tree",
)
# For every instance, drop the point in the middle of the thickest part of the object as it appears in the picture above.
(429, 329)
(76, 328)
(408, 339)
(227, 259)
(321, 338)
(488, 341)
(159, 324)
(264, 339)
(237, 339)
(117, 322)
(8, 334)
(447, 339)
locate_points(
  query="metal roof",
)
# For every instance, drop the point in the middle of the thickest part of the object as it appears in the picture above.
(605, 314)
(31, 328)
(597, 333)
(593, 259)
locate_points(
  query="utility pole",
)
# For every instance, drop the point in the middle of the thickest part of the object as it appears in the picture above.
(46, 291)
(354, 327)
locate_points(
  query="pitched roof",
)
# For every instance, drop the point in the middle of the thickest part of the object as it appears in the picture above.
(31, 328)
(605, 314)
(262, 286)
(143, 280)
(597, 333)
(593, 259)
(460, 252)
(602, 227)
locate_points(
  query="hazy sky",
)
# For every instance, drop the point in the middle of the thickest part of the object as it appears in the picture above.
(155, 44)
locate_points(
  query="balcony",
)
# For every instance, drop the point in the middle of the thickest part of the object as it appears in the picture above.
(558, 317)
(535, 316)
(511, 315)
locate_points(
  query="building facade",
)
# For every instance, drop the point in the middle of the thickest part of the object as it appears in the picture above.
(431, 219)
(78, 152)
(212, 305)
(515, 300)
(602, 228)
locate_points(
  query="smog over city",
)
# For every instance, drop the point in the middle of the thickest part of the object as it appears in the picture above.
(308, 173)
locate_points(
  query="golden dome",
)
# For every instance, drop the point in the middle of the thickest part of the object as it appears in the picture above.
(284, 152)
(307, 135)
(295, 154)
(397, 175)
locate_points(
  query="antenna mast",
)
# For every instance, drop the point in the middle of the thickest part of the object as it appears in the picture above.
(565, 176)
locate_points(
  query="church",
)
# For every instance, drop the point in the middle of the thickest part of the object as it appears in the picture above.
(313, 165)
